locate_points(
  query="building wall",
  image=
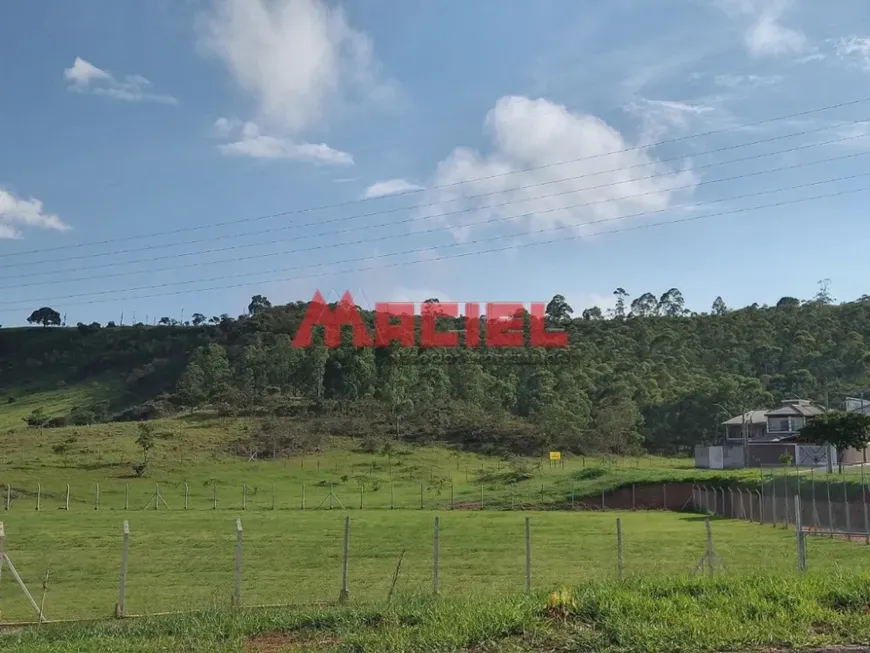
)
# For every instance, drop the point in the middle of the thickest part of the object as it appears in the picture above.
(736, 432)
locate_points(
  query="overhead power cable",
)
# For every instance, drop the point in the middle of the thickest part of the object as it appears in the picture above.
(549, 182)
(369, 240)
(561, 239)
(714, 132)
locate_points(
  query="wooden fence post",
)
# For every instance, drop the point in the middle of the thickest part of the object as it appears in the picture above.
(97, 497)
(66, 502)
(186, 495)
(38, 496)
(119, 608)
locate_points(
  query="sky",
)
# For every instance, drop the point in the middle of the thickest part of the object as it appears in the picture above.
(170, 157)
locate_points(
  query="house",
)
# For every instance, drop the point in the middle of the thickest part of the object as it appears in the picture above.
(785, 422)
(771, 436)
(754, 421)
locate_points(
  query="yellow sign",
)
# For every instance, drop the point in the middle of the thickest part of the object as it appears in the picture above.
(555, 455)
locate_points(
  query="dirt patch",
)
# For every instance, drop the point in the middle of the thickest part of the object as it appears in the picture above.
(281, 642)
(468, 505)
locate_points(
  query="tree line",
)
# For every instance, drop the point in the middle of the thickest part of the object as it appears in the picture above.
(646, 374)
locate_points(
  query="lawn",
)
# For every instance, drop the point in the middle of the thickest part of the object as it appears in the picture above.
(185, 560)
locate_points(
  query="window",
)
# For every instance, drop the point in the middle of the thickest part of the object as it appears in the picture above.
(779, 425)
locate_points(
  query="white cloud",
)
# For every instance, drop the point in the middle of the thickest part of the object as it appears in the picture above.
(855, 49)
(18, 213)
(766, 35)
(390, 187)
(299, 59)
(661, 117)
(84, 77)
(605, 179)
(252, 143)
(735, 82)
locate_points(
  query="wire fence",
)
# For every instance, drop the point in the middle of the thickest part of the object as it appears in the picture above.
(438, 494)
(99, 565)
(818, 510)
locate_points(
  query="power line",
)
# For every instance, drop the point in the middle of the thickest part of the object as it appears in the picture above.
(561, 239)
(437, 203)
(457, 183)
(427, 231)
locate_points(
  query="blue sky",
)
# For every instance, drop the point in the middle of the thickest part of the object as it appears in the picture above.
(181, 155)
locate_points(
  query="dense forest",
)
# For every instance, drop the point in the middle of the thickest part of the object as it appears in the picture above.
(648, 374)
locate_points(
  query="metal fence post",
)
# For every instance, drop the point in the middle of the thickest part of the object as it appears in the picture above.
(435, 559)
(799, 528)
(619, 548)
(345, 594)
(119, 608)
(528, 558)
(237, 592)
(830, 512)
(847, 507)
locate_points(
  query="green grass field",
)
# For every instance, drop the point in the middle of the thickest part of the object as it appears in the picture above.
(181, 560)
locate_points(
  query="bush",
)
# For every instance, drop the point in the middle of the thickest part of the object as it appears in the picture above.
(58, 422)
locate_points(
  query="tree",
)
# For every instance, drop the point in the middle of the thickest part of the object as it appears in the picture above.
(644, 306)
(45, 316)
(559, 310)
(719, 307)
(593, 313)
(823, 296)
(619, 309)
(37, 418)
(788, 302)
(145, 441)
(165, 321)
(672, 303)
(197, 319)
(258, 304)
(840, 430)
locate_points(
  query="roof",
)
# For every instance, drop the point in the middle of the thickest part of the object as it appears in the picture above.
(802, 408)
(751, 417)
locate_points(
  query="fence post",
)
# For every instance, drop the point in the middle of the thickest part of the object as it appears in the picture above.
(435, 560)
(345, 595)
(245, 496)
(848, 509)
(830, 512)
(186, 495)
(619, 548)
(360, 496)
(119, 608)
(97, 497)
(709, 547)
(528, 557)
(8, 496)
(38, 496)
(421, 495)
(773, 503)
(731, 495)
(237, 590)
(66, 502)
(451, 494)
(799, 527)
